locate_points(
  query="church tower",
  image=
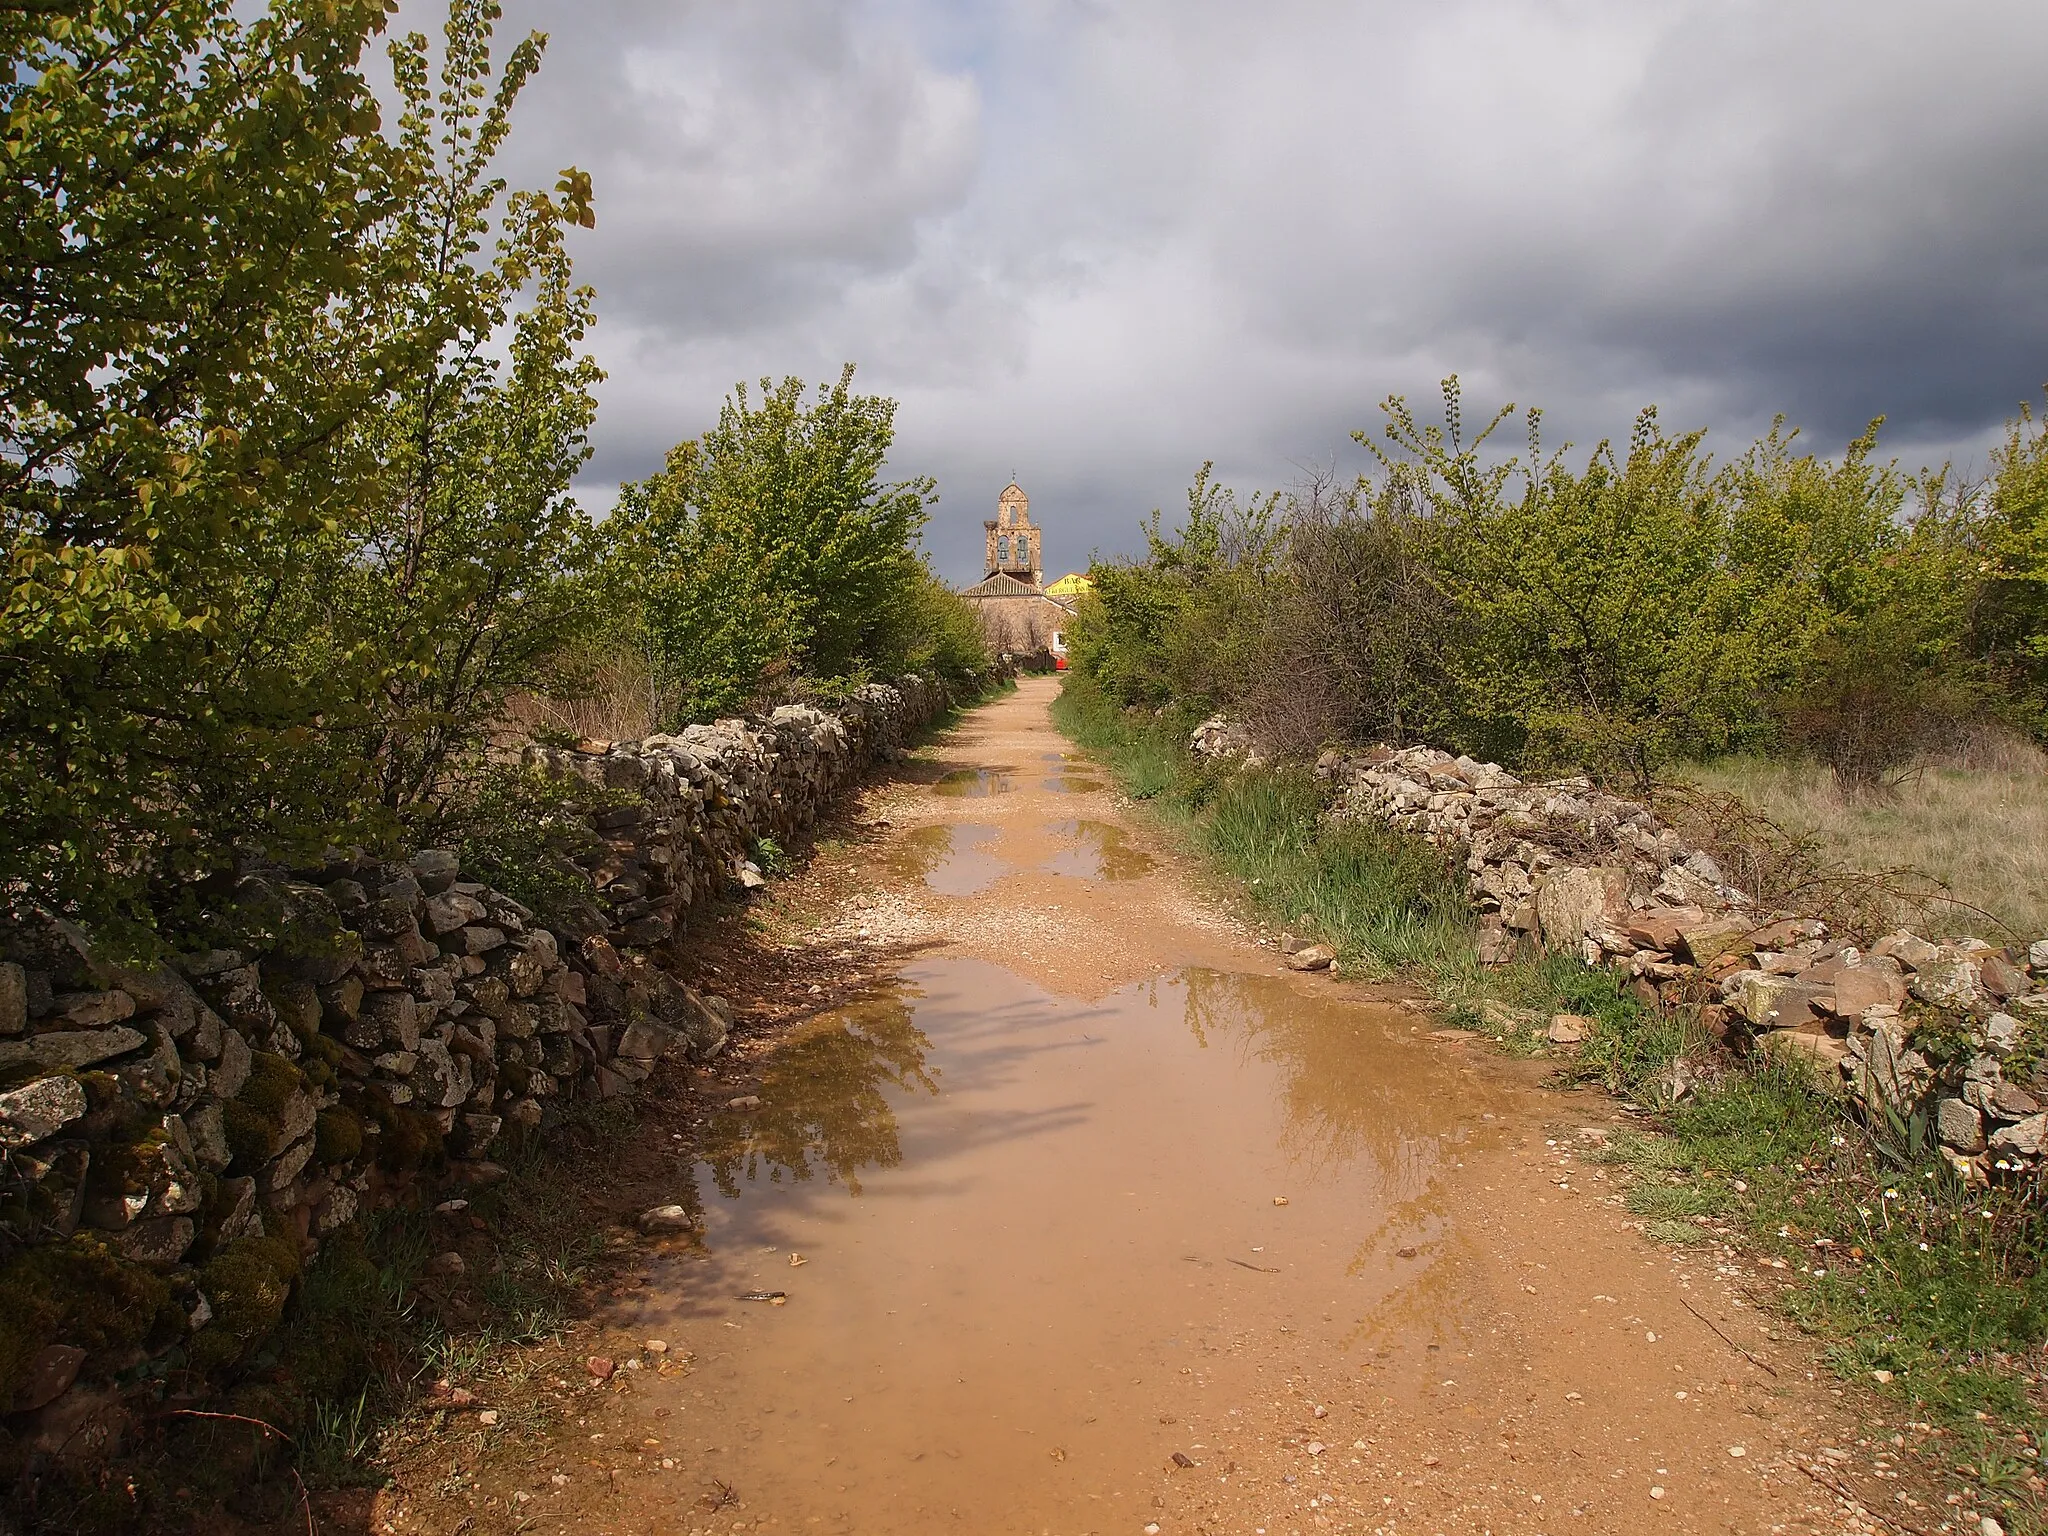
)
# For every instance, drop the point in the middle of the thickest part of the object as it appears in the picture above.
(1013, 540)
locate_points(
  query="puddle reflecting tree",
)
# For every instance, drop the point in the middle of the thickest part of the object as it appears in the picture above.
(825, 1101)
(919, 851)
(975, 783)
(1348, 1089)
(1100, 852)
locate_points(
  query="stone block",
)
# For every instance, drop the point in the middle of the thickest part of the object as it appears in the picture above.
(451, 910)
(1946, 983)
(239, 1216)
(58, 1049)
(525, 972)
(39, 1109)
(232, 1071)
(91, 1010)
(652, 929)
(48, 1376)
(477, 939)
(1959, 1125)
(1658, 928)
(1775, 1002)
(1909, 949)
(159, 1242)
(1868, 985)
(383, 969)
(2002, 979)
(440, 1078)
(1568, 1029)
(1713, 938)
(646, 1040)
(2024, 1139)
(435, 869)
(341, 1002)
(207, 1127)
(13, 998)
(392, 1018)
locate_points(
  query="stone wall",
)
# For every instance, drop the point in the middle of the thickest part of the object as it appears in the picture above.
(178, 1141)
(1956, 1028)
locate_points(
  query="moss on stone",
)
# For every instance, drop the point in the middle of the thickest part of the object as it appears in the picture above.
(125, 1167)
(337, 1136)
(78, 1292)
(247, 1284)
(254, 1118)
(297, 1004)
(411, 1138)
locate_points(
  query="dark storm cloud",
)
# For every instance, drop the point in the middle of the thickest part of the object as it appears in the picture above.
(1097, 244)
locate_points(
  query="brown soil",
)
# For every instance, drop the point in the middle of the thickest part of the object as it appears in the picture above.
(1080, 1213)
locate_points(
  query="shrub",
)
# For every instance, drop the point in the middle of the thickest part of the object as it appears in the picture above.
(769, 554)
(520, 831)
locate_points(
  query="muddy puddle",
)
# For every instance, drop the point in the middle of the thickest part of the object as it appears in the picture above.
(975, 783)
(1071, 775)
(953, 859)
(1031, 1247)
(1097, 850)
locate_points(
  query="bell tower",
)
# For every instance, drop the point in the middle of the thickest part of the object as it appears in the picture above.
(1013, 548)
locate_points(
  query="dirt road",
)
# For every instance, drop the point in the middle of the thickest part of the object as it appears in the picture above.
(1093, 1218)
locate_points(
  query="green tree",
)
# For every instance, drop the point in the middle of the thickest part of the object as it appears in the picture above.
(1183, 625)
(772, 549)
(1605, 624)
(182, 188)
(2012, 621)
(281, 529)
(469, 566)
(1872, 665)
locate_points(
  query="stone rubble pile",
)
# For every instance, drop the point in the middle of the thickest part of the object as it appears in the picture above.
(1957, 1029)
(182, 1139)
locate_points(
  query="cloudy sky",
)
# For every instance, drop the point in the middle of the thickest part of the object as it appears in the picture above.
(1096, 242)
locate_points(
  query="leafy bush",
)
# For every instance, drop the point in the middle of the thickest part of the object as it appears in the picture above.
(520, 830)
(768, 555)
(286, 452)
(1608, 613)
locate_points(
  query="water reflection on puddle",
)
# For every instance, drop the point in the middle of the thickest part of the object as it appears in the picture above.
(953, 860)
(1099, 851)
(1070, 775)
(975, 783)
(1194, 1085)
(1016, 1214)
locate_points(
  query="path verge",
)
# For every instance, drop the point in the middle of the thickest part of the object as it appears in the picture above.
(1930, 1298)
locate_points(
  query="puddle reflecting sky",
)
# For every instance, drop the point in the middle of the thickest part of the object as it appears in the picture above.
(953, 860)
(975, 783)
(1018, 1213)
(1099, 851)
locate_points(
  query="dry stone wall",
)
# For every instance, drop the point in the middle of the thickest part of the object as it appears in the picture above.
(1954, 1028)
(178, 1141)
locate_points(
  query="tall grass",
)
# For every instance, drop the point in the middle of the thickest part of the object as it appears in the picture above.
(1976, 822)
(1387, 904)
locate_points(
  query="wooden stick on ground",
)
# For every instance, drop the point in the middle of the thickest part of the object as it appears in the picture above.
(1752, 1359)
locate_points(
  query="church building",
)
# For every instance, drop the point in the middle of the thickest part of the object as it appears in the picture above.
(1017, 613)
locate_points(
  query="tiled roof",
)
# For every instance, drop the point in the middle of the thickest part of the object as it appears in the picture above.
(1002, 584)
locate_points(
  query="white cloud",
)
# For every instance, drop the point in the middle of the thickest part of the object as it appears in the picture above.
(1099, 244)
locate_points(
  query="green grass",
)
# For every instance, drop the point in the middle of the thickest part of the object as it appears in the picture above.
(1385, 903)
(1876, 1250)
(1887, 1260)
